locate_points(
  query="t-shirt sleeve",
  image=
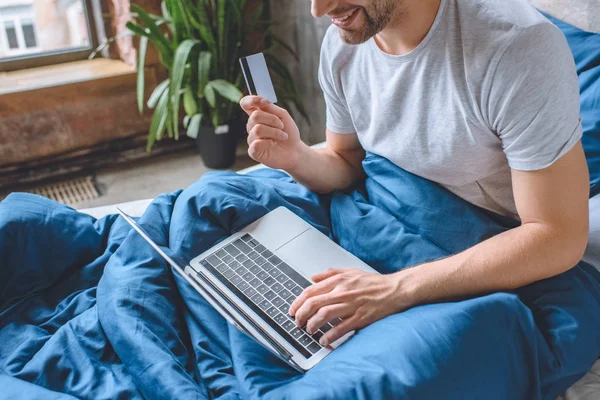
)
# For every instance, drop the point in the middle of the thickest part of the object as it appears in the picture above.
(533, 101)
(337, 114)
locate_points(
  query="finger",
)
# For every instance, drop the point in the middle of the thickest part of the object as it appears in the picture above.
(260, 117)
(311, 291)
(267, 132)
(250, 104)
(347, 325)
(259, 148)
(271, 108)
(311, 306)
(328, 273)
(327, 314)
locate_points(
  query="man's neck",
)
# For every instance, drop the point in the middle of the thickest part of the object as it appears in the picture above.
(409, 27)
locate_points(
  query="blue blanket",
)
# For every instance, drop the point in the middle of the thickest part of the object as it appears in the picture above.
(89, 310)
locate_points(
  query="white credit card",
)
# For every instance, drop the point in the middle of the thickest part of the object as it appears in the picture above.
(257, 77)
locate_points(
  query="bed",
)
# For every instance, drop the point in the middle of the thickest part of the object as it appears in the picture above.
(582, 13)
(588, 388)
(89, 310)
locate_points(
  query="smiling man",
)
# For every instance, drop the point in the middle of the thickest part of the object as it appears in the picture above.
(480, 96)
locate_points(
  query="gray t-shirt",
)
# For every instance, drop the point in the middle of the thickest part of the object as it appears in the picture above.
(493, 86)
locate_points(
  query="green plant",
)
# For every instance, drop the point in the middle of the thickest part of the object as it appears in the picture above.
(199, 42)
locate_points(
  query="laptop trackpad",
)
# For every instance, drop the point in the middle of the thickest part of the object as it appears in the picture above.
(312, 252)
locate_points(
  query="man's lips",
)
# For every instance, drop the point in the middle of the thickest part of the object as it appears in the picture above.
(345, 19)
(341, 18)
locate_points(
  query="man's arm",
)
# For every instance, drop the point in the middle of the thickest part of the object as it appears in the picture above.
(335, 167)
(274, 140)
(553, 206)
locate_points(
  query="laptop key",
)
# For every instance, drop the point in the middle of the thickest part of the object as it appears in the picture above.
(260, 261)
(270, 295)
(289, 285)
(241, 258)
(213, 260)
(264, 305)
(253, 255)
(257, 299)
(277, 301)
(242, 246)
(248, 263)
(221, 253)
(236, 279)
(288, 325)
(305, 340)
(285, 293)
(228, 273)
(247, 237)
(252, 243)
(227, 259)
(255, 269)
(325, 328)
(297, 290)
(267, 254)
(269, 281)
(243, 285)
(284, 308)
(250, 292)
(276, 286)
(314, 348)
(274, 272)
(241, 271)
(262, 275)
(262, 289)
(281, 278)
(255, 283)
(274, 260)
(248, 276)
(260, 248)
(297, 333)
(272, 312)
(280, 319)
(294, 275)
(235, 265)
(221, 268)
(231, 249)
(335, 321)
(267, 266)
(317, 335)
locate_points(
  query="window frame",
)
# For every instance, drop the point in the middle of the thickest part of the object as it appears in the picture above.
(31, 59)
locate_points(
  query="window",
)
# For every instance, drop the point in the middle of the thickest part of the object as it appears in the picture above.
(43, 32)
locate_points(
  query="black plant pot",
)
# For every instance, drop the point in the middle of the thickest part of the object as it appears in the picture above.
(217, 146)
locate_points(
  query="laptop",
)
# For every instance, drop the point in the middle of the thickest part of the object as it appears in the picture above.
(253, 276)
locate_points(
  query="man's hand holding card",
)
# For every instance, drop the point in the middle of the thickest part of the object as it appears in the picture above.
(273, 135)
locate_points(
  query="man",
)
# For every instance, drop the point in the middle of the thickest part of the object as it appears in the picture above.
(480, 96)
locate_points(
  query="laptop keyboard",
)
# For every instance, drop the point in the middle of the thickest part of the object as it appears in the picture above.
(267, 285)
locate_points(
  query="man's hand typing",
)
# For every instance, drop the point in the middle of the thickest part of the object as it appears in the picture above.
(358, 297)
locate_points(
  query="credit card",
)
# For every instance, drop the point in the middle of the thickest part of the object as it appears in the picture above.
(257, 77)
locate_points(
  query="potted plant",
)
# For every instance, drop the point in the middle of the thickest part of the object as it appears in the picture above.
(199, 42)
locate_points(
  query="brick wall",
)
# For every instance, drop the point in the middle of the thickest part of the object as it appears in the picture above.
(56, 121)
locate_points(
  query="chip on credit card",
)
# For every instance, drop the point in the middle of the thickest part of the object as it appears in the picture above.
(257, 77)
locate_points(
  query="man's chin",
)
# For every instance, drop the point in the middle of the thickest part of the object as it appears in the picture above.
(353, 37)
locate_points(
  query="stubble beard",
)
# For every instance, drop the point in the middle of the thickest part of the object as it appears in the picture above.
(377, 16)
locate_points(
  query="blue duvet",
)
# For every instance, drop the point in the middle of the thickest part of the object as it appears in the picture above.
(88, 310)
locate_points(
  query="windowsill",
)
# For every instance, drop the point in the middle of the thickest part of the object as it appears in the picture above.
(61, 74)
